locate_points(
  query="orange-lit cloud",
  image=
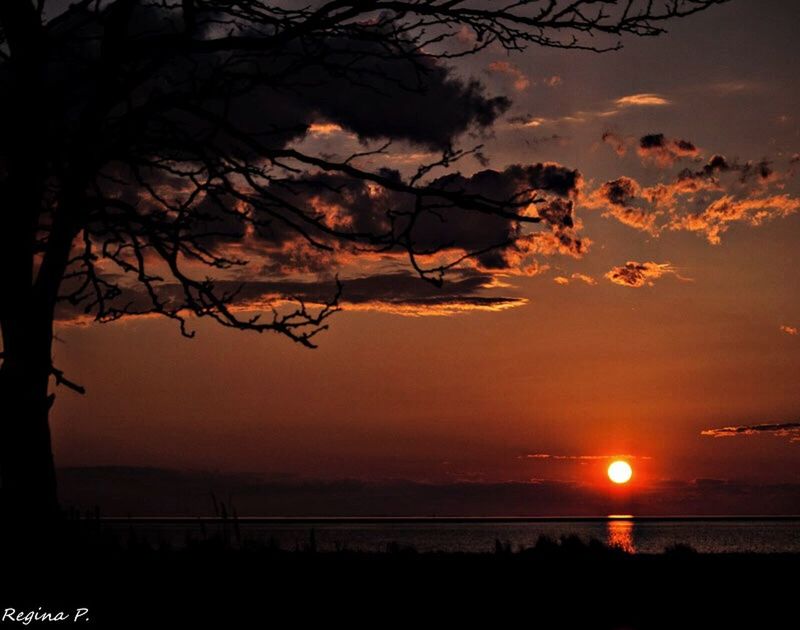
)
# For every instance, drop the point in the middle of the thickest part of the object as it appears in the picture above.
(395, 293)
(782, 429)
(790, 330)
(549, 243)
(642, 100)
(636, 274)
(707, 201)
(607, 110)
(718, 215)
(626, 201)
(582, 277)
(324, 129)
(528, 121)
(521, 81)
(579, 277)
(546, 190)
(664, 151)
(445, 307)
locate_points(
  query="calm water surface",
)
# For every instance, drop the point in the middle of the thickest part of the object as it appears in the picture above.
(642, 536)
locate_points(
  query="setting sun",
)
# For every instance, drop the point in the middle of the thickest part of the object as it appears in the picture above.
(620, 471)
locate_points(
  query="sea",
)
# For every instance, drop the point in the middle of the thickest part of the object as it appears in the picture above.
(633, 534)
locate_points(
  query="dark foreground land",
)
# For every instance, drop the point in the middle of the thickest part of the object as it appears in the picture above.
(555, 584)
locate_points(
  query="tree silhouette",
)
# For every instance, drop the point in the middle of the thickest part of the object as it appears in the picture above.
(140, 141)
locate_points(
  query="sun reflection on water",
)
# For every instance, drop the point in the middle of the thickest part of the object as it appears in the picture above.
(620, 532)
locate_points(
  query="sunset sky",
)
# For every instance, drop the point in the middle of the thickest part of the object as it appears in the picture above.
(679, 313)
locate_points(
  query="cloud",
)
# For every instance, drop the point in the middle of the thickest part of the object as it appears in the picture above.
(718, 215)
(758, 173)
(293, 259)
(790, 330)
(620, 192)
(437, 307)
(549, 456)
(359, 88)
(642, 100)
(398, 293)
(378, 109)
(579, 277)
(664, 151)
(783, 429)
(616, 142)
(636, 274)
(354, 206)
(582, 277)
(653, 148)
(707, 201)
(546, 190)
(601, 111)
(521, 81)
(324, 129)
(527, 121)
(622, 199)
(605, 110)
(734, 87)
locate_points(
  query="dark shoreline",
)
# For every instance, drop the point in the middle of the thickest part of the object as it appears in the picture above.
(566, 584)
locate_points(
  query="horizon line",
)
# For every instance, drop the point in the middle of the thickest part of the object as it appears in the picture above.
(445, 519)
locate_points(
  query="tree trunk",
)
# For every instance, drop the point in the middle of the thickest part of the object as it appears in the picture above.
(27, 474)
